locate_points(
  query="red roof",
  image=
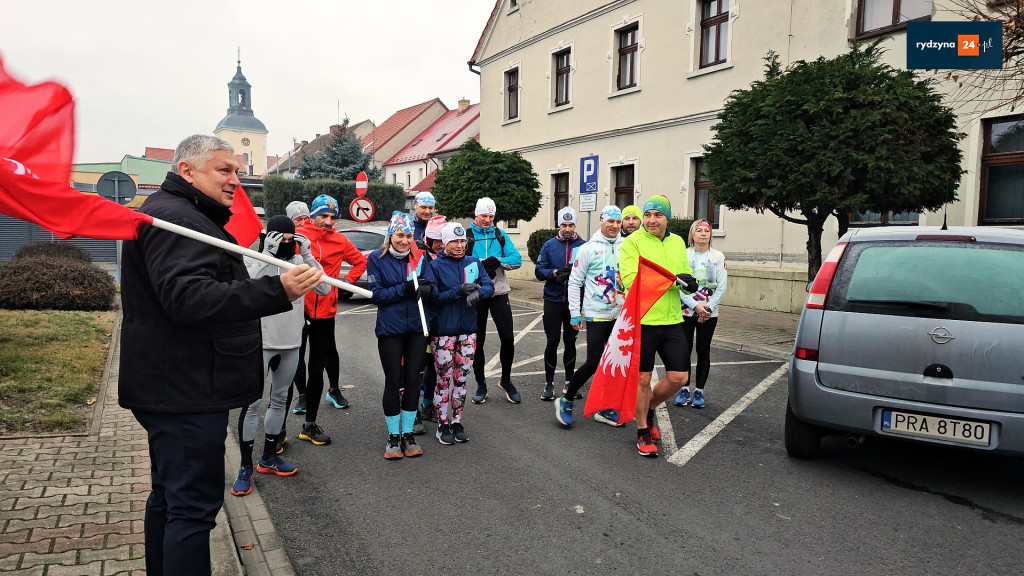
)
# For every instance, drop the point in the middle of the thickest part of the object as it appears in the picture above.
(483, 34)
(425, 185)
(165, 154)
(380, 136)
(437, 136)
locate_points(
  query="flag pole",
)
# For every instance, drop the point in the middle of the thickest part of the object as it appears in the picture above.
(164, 225)
(419, 302)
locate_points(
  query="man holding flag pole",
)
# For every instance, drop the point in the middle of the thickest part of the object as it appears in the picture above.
(653, 267)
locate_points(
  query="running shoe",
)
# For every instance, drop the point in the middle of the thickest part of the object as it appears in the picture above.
(313, 433)
(510, 391)
(607, 416)
(409, 446)
(459, 432)
(645, 445)
(655, 435)
(417, 425)
(563, 411)
(565, 390)
(698, 398)
(481, 394)
(281, 444)
(393, 449)
(275, 466)
(300, 405)
(683, 398)
(428, 413)
(549, 391)
(445, 435)
(243, 482)
(334, 397)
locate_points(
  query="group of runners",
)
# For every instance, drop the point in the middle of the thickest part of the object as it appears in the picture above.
(436, 283)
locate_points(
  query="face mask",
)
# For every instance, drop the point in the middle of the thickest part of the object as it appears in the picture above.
(285, 250)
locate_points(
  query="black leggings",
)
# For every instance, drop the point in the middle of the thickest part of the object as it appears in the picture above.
(597, 336)
(299, 380)
(557, 326)
(323, 355)
(501, 312)
(705, 331)
(402, 357)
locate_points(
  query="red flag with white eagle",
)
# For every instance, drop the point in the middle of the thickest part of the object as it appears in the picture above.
(618, 373)
(36, 144)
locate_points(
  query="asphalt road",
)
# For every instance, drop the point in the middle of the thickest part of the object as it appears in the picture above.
(526, 496)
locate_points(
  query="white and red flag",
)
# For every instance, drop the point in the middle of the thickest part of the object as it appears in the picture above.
(615, 382)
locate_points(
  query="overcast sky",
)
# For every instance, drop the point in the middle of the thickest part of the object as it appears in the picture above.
(150, 73)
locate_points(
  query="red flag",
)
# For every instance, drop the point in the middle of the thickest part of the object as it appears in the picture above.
(617, 376)
(244, 224)
(36, 144)
(415, 262)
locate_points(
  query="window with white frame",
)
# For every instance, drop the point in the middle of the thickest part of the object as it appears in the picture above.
(562, 65)
(879, 16)
(628, 44)
(560, 188)
(624, 185)
(1002, 172)
(704, 207)
(714, 32)
(512, 94)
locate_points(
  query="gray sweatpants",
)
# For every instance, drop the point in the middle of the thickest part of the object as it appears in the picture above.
(281, 380)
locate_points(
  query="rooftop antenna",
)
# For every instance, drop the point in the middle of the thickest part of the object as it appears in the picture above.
(239, 61)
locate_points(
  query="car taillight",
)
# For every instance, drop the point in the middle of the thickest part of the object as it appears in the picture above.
(819, 290)
(946, 238)
(807, 354)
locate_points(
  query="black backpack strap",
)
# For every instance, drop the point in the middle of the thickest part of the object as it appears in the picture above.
(471, 240)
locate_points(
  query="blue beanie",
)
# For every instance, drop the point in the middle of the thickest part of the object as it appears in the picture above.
(323, 203)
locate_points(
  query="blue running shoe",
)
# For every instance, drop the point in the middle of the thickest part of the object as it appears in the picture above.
(698, 398)
(563, 411)
(481, 394)
(275, 466)
(683, 398)
(608, 416)
(510, 391)
(300, 405)
(243, 483)
(334, 397)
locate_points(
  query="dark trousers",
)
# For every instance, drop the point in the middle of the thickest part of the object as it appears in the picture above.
(597, 336)
(558, 326)
(402, 358)
(704, 332)
(323, 355)
(299, 380)
(501, 312)
(186, 453)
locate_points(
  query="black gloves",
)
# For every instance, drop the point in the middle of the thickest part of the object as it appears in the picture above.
(688, 282)
(491, 265)
(469, 288)
(473, 299)
(425, 289)
(409, 287)
(562, 274)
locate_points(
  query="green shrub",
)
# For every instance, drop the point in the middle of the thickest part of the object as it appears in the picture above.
(50, 283)
(681, 227)
(279, 192)
(55, 249)
(537, 239)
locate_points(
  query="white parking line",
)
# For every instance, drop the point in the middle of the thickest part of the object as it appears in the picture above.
(522, 333)
(364, 309)
(684, 454)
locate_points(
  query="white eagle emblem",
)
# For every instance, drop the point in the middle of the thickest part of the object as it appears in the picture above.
(619, 349)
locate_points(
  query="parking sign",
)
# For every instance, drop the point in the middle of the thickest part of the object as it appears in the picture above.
(588, 175)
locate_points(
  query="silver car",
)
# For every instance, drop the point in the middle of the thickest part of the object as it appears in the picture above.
(366, 239)
(913, 333)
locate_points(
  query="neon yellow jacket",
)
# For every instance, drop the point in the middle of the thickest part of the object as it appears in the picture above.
(669, 253)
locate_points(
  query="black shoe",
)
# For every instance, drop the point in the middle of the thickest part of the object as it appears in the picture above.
(565, 389)
(300, 405)
(445, 435)
(510, 391)
(314, 434)
(459, 432)
(417, 425)
(428, 413)
(549, 392)
(481, 394)
(334, 397)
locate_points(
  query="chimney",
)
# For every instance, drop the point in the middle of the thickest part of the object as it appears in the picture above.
(304, 142)
(463, 104)
(317, 136)
(297, 146)
(335, 128)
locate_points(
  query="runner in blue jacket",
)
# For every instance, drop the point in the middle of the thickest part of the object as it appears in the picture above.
(461, 284)
(401, 342)
(554, 266)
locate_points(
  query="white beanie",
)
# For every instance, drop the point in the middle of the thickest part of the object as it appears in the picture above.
(485, 206)
(567, 214)
(296, 209)
(434, 227)
(452, 231)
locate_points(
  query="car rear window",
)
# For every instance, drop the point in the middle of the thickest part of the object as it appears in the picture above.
(955, 280)
(365, 240)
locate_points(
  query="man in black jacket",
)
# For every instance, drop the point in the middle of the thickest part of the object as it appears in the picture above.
(191, 348)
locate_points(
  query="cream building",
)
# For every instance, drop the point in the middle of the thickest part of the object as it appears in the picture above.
(638, 84)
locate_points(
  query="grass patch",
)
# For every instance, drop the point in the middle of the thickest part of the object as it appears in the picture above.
(50, 366)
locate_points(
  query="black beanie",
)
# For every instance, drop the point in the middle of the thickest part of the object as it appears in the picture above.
(281, 224)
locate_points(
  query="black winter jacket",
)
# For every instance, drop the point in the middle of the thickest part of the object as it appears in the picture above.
(190, 334)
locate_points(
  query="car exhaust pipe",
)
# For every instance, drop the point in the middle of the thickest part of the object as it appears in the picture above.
(854, 440)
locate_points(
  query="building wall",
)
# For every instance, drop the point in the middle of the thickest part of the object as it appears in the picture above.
(661, 126)
(257, 148)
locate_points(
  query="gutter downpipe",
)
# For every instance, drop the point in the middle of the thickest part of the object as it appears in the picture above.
(472, 63)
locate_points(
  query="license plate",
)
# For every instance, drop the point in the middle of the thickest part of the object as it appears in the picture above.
(929, 426)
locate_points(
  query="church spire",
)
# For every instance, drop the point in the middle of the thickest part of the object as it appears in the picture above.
(240, 113)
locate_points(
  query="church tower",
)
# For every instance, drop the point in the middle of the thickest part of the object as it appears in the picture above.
(241, 128)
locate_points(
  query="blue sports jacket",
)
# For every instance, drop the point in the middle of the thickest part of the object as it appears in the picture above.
(397, 312)
(451, 314)
(554, 254)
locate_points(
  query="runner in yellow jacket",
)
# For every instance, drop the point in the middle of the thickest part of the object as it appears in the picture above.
(662, 332)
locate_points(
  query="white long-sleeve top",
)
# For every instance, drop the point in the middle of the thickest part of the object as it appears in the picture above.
(283, 331)
(596, 273)
(702, 263)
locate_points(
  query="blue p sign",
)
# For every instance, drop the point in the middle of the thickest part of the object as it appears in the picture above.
(588, 175)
